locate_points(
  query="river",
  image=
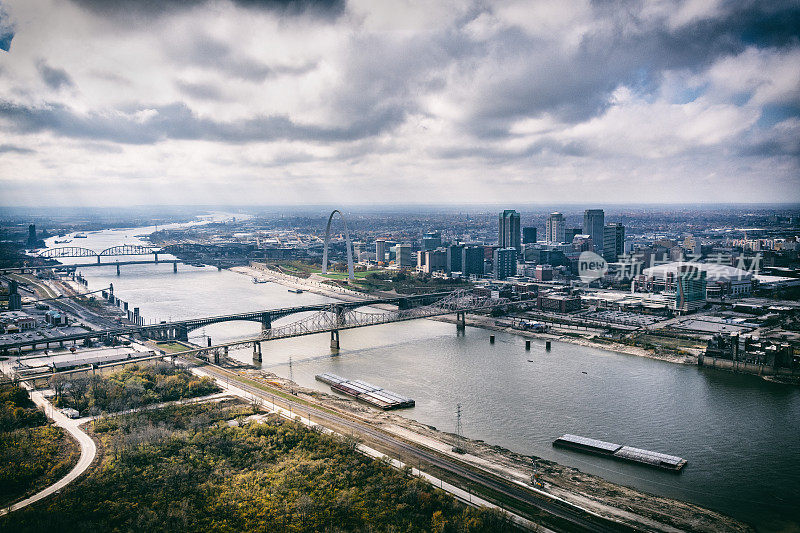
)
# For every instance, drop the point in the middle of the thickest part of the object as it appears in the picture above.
(739, 433)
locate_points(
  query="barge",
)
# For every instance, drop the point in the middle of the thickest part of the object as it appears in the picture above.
(296, 291)
(366, 392)
(623, 453)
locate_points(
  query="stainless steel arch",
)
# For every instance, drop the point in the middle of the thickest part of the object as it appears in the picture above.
(350, 274)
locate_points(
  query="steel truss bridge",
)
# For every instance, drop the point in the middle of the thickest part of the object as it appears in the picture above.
(114, 251)
(337, 317)
(179, 330)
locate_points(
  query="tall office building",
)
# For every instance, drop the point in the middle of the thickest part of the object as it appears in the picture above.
(613, 241)
(431, 241)
(505, 263)
(593, 223)
(14, 298)
(32, 236)
(528, 235)
(435, 260)
(454, 257)
(380, 250)
(690, 289)
(472, 260)
(508, 230)
(556, 228)
(403, 255)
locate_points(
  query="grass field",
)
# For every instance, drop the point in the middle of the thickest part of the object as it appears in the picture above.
(173, 347)
(343, 275)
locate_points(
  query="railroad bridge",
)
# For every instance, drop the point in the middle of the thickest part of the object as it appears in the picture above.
(179, 330)
(114, 251)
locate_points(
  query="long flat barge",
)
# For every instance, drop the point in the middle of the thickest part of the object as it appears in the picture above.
(366, 392)
(618, 451)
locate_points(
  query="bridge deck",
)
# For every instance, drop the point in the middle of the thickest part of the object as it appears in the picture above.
(194, 323)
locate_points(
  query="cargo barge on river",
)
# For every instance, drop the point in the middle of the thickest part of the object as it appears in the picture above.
(624, 453)
(365, 392)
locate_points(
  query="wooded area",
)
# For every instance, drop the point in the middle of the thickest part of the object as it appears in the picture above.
(33, 453)
(129, 388)
(191, 468)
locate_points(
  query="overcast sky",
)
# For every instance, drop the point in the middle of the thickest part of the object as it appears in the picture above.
(106, 102)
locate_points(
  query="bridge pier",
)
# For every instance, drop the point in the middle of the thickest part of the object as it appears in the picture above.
(266, 322)
(182, 333)
(117, 269)
(174, 266)
(156, 254)
(257, 352)
(461, 321)
(335, 339)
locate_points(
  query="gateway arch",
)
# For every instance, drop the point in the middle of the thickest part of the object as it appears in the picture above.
(350, 274)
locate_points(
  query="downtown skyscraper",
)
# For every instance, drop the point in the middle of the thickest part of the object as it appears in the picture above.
(509, 235)
(593, 222)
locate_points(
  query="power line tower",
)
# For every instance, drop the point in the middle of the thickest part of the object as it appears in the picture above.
(457, 448)
(291, 375)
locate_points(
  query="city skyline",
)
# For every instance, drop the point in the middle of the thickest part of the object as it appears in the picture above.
(234, 102)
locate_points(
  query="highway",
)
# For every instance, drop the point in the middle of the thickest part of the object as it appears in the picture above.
(575, 518)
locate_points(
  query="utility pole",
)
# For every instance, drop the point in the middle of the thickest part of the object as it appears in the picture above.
(458, 420)
(457, 448)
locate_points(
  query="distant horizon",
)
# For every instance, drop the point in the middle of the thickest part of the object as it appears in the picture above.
(324, 209)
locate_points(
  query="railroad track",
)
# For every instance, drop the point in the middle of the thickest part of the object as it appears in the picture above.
(578, 519)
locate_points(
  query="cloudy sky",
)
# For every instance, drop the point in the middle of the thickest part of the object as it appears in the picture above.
(106, 102)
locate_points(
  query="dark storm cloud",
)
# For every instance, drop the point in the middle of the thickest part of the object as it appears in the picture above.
(155, 8)
(55, 78)
(539, 78)
(177, 121)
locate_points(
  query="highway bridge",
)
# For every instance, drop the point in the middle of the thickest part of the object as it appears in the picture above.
(74, 266)
(179, 330)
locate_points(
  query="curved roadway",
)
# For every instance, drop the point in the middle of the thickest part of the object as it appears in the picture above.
(88, 453)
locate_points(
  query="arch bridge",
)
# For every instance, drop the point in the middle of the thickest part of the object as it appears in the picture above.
(114, 251)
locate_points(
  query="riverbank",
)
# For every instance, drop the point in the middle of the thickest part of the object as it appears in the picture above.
(638, 509)
(472, 320)
(602, 344)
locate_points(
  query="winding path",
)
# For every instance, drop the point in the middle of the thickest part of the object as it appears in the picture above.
(88, 453)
